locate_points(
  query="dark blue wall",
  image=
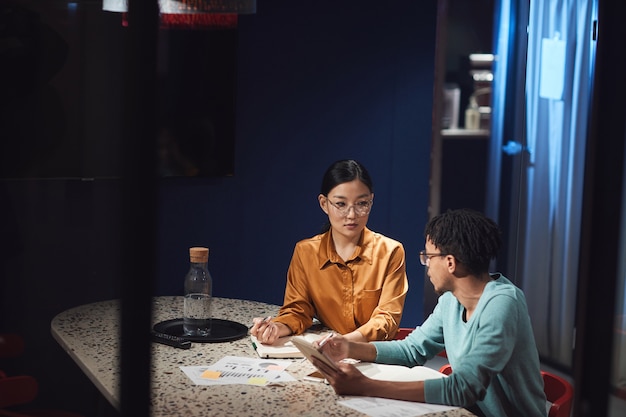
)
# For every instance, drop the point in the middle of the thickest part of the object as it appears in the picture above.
(318, 81)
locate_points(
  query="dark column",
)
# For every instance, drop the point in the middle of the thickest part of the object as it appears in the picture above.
(139, 205)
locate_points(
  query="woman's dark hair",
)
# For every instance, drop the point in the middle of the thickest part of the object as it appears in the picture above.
(343, 171)
(472, 238)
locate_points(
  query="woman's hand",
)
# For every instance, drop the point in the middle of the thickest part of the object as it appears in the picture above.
(267, 331)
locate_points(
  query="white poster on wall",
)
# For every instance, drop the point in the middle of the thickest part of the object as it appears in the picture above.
(552, 68)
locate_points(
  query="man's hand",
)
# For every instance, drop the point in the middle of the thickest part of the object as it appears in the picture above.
(346, 380)
(336, 347)
(340, 347)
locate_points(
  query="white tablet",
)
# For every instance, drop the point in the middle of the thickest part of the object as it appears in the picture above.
(308, 350)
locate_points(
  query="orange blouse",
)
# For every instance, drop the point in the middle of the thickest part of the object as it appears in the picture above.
(365, 293)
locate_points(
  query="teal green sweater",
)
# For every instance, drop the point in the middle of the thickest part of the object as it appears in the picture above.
(493, 355)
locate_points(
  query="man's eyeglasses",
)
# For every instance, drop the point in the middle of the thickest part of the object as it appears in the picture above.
(361, 208)
(425, 257)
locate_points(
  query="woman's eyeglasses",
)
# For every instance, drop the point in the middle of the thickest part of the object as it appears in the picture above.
(361, 208)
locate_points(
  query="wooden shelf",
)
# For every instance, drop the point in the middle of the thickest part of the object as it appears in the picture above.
(462, 133)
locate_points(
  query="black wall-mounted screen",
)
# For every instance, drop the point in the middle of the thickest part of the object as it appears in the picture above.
(61, 107)
(197, 72)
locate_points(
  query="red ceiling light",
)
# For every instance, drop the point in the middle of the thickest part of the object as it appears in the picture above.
(198, 21)
(208, 6)
(192, 14)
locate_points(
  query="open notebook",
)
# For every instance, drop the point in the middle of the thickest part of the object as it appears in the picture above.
(378, 371)
(284, 348)
(397, 372)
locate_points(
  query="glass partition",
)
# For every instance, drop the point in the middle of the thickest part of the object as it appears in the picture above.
(617, 396)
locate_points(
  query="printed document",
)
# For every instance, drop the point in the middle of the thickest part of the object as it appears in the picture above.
(240, 370)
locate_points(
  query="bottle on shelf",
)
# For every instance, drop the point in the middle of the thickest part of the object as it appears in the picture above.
(472, 115)
(198, 294)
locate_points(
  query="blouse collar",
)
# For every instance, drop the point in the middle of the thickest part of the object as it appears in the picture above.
(328, 254)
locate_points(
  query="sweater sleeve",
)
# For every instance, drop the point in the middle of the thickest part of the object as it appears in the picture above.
(420, 345)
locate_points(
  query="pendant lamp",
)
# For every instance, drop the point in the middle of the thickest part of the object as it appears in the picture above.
(191, 14)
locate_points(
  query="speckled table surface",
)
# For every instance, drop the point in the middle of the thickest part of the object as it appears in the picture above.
(89, 334)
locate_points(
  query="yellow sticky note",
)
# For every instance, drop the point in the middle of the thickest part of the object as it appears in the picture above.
(210, 374)
(257, 381)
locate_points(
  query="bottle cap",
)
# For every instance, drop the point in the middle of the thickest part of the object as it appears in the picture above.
(198, 254)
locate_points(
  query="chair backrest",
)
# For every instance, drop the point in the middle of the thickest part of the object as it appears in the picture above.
(11, 345)
(403, 332)
(17, 390)
(559, 392)
(446, 369)
(20, 390)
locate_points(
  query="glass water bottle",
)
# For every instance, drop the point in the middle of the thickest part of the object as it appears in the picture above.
(198, 294)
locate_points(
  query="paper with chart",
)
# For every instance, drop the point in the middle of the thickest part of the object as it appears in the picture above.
(240, 370)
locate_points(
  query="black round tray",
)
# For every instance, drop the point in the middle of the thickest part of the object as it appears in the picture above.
(221, 330)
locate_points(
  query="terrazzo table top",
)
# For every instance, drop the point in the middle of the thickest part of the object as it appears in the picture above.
(89, 334)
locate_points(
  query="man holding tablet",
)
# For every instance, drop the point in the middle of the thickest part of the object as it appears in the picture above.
(481, 320)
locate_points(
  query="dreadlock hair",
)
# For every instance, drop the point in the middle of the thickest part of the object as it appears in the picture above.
(472, 238)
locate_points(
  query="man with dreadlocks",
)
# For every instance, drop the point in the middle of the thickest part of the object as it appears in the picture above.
(481, 320)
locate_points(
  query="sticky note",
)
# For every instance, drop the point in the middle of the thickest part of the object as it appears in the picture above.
(257, 381)
(210, 374)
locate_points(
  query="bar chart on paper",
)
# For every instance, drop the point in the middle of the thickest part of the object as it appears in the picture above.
(240, 370)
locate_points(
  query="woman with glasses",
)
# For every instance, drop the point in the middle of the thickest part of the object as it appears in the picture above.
(353, 280)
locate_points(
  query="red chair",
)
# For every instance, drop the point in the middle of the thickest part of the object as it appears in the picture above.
(403, 332)
(16, 392)
(559, 392)
(446, 369)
